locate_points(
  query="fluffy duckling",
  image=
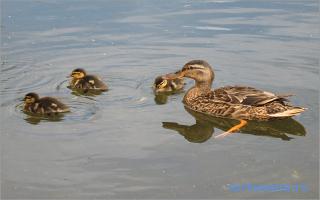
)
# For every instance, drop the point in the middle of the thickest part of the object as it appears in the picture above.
(84, 82)
(44, 106)
(164, 85)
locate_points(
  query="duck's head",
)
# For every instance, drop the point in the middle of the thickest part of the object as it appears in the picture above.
(30, 98)
(78, 73)
(199, 70)
(160, 84)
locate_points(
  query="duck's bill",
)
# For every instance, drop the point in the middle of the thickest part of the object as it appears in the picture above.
(171, 76)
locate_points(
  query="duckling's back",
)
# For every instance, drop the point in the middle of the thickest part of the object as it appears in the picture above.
(49, 105)
(93, 82)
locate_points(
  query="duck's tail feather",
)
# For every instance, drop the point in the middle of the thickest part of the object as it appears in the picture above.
(289, 113)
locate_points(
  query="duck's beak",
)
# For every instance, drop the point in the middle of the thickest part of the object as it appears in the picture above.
(70, 75)
(171, 76)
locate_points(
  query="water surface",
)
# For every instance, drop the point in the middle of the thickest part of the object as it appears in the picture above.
(127, 144)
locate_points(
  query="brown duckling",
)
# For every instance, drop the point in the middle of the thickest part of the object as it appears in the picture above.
(84, 82)
(44, 105)
(237, 102)
(162, 85)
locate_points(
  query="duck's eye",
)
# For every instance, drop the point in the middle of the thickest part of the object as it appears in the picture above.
(188, 68)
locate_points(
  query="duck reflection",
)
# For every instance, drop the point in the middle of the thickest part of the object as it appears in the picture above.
(203, 129)
(36, 119)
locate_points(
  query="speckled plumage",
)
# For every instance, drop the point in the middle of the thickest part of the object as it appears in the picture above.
(237, 102)
(86, 82)
(44, 105)
(89, 82)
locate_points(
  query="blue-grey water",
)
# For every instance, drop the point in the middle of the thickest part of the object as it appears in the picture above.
(126, 143)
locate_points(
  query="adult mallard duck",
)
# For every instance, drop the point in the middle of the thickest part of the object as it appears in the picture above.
(84, 82)
(43, 106)
(162, 85)
(236, 102)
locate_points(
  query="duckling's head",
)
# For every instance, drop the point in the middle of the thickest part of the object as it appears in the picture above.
(199, 70)
(78, 73)
(31, 98)
(160, 84)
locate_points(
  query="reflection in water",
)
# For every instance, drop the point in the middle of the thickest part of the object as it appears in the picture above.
(203, 129)
(87, 94)
(36, 119)
(162, 98)
(91, 93)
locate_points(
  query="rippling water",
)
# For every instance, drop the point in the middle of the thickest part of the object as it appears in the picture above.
(126, 143)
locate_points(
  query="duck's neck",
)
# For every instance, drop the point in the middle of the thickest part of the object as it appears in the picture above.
(199, 89)
(204, 86)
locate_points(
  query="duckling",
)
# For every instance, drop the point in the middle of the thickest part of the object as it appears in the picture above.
(163, 85)
(84, 82)
(236, 102)
(44, 105)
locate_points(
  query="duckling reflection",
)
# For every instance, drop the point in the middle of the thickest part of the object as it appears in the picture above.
(36, 119)
(161, 98)
(203, 129)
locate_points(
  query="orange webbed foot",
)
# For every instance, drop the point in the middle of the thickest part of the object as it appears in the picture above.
(232, 129)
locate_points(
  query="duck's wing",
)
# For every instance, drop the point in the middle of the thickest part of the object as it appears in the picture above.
(245, 96)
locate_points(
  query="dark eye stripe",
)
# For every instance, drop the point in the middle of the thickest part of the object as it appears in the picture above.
(191, 67)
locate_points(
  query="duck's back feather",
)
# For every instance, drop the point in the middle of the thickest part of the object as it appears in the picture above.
(245, 95)
(241, 103)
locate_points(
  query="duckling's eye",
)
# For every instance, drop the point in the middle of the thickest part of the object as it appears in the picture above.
(28, 99)
(76, 74)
